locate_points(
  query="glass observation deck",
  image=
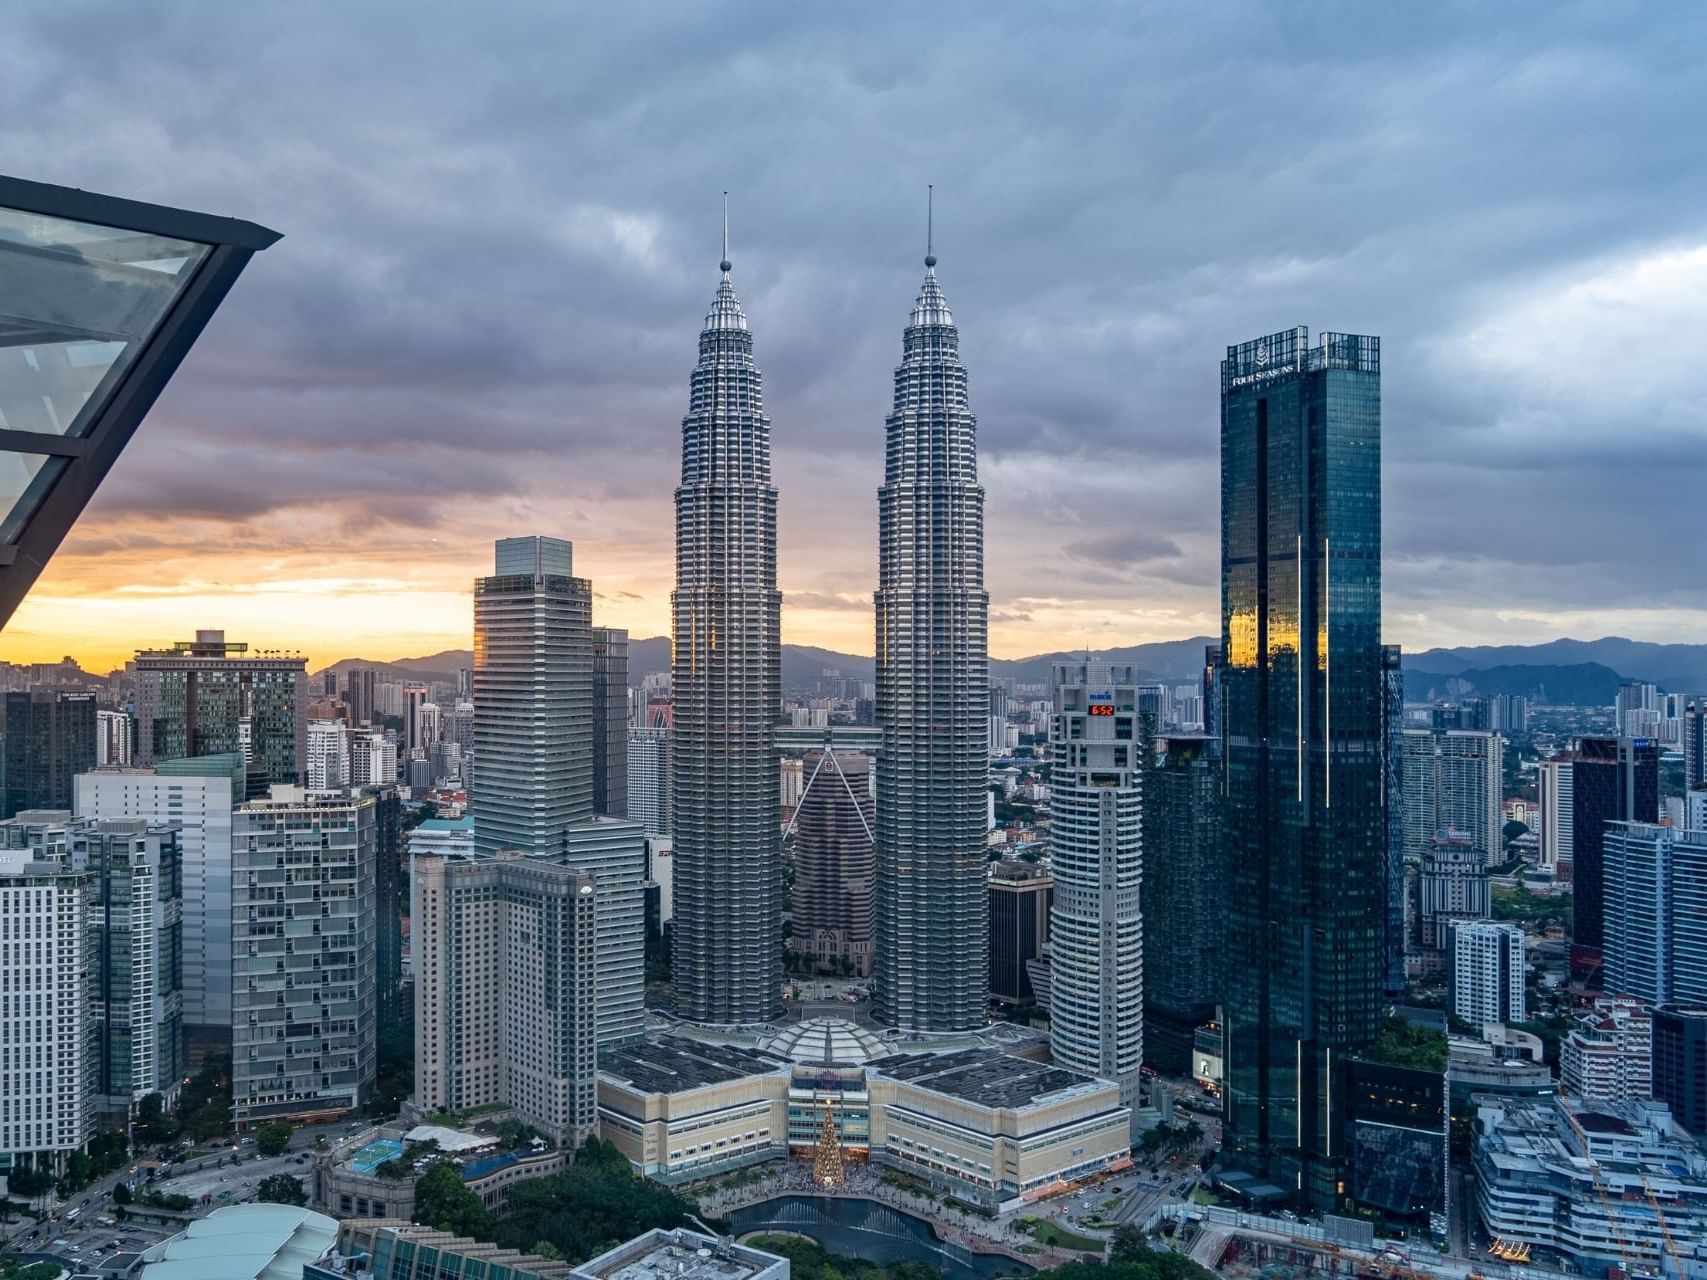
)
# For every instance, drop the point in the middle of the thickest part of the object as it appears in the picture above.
(100, 300)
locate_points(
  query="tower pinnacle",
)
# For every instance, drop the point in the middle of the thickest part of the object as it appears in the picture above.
(724, 265)
(930, 225)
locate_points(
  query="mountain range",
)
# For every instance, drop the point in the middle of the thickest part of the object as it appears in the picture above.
(1581, 672)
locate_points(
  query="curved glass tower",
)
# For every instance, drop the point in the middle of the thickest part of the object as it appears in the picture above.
(727, 686)
(932, 690)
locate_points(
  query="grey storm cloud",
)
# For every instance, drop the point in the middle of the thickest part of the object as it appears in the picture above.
(501, 234)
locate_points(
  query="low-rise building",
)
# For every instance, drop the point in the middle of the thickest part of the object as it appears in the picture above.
(1591, 1186)
(397, 1249)
(971, 1120)
(357, 1177)
(683, 1255)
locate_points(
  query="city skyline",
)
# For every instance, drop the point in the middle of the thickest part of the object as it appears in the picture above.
(331, 464)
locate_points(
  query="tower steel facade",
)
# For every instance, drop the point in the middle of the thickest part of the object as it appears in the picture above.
(932, 689)
(727, 683)
(1302, 695)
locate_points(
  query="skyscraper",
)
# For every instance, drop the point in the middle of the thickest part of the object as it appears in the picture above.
(533, 698)
(1454, 779)
(1184, 897)
(1302, 711)
(1695, 744)
(727, 678)
(834, 862)
(1612, 780)
(649, 780)
(1555, 807)
(49, 740)
(205, 696)
(1097, 740)
(1655, 894)
(932, 689)
(610, 721)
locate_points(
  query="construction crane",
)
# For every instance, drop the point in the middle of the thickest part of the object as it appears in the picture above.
(1632, 1259)
(1665, 1231)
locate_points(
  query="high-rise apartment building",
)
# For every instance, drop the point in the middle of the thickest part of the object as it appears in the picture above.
(1454, 781)
(328, 755)
(414, 701)
(610, 721)
(205, 696)
(1184, 896)
(1302, 727)
(533, 698)
(1612, 780)
(933, 676)
(197, 796)
(1097, 742)
(506, 989)
(1020, 897)
(304, 1012)
(1393, 786)
(1608, 1055)
(1485, 974)
(114, 739)
(1655, 893)
(649, 779)
(835, 863)
(727, 681)
(136, 974)
(1555, 809)
(359, 685)
(46, 1040)
(49, 740)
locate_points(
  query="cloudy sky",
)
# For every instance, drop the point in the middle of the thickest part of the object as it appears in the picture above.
(501, 235)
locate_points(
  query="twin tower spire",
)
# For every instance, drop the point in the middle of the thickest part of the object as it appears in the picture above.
(932, 686)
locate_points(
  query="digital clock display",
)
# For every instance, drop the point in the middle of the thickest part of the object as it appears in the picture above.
(1102, 709)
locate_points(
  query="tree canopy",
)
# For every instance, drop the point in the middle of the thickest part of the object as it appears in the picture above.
(444, 1202)
(281, 1188)
(593, 1205)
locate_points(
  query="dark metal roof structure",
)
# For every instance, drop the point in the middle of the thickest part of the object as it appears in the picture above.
(100, 300)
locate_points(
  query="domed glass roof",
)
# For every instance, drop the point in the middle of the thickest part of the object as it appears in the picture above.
(828, 1040)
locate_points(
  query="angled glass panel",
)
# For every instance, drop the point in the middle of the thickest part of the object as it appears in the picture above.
(77, 302)
(25, 479)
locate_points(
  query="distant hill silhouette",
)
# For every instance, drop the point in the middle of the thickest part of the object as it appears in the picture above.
(1572, 672)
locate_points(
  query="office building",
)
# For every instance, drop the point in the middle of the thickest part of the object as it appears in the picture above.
(1555, 808)
(610, 721)
(414, 699)
(1398, 1119)
(1612, 780)
(727, 681)
(359, 683)
(47, 1043)
(197, 796)
(1485, 972)
(932, 689)
(104, 298)
(205, 697)
(1655, 881)
(1452, 885)
(388, 901)
(1184, 897)
(1608, 1055)
(303, 918)
(506, 988)
(393, 1248)
(1454, 780)
(1302, 696)
(49, 740)
(1694, 732)
(533, 698)
(649, 779)
(835, 867)
(114, 738)
(1680, 1064)
(1097, 741)
(136, 978)
(1578, 1184)
(1020, 898)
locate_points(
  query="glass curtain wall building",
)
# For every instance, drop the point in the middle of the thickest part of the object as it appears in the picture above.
(102, 299)
(727, 686)
(1302, 696)
(932, 690)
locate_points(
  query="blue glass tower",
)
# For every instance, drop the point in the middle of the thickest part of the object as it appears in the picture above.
(1302, 693)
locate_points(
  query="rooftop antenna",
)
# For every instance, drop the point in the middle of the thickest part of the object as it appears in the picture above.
(930, 224)
(724, 265)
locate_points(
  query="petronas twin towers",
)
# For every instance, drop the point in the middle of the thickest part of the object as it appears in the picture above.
(932, 681)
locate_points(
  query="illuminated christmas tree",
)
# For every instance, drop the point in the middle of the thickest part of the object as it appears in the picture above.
(827, 1170)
